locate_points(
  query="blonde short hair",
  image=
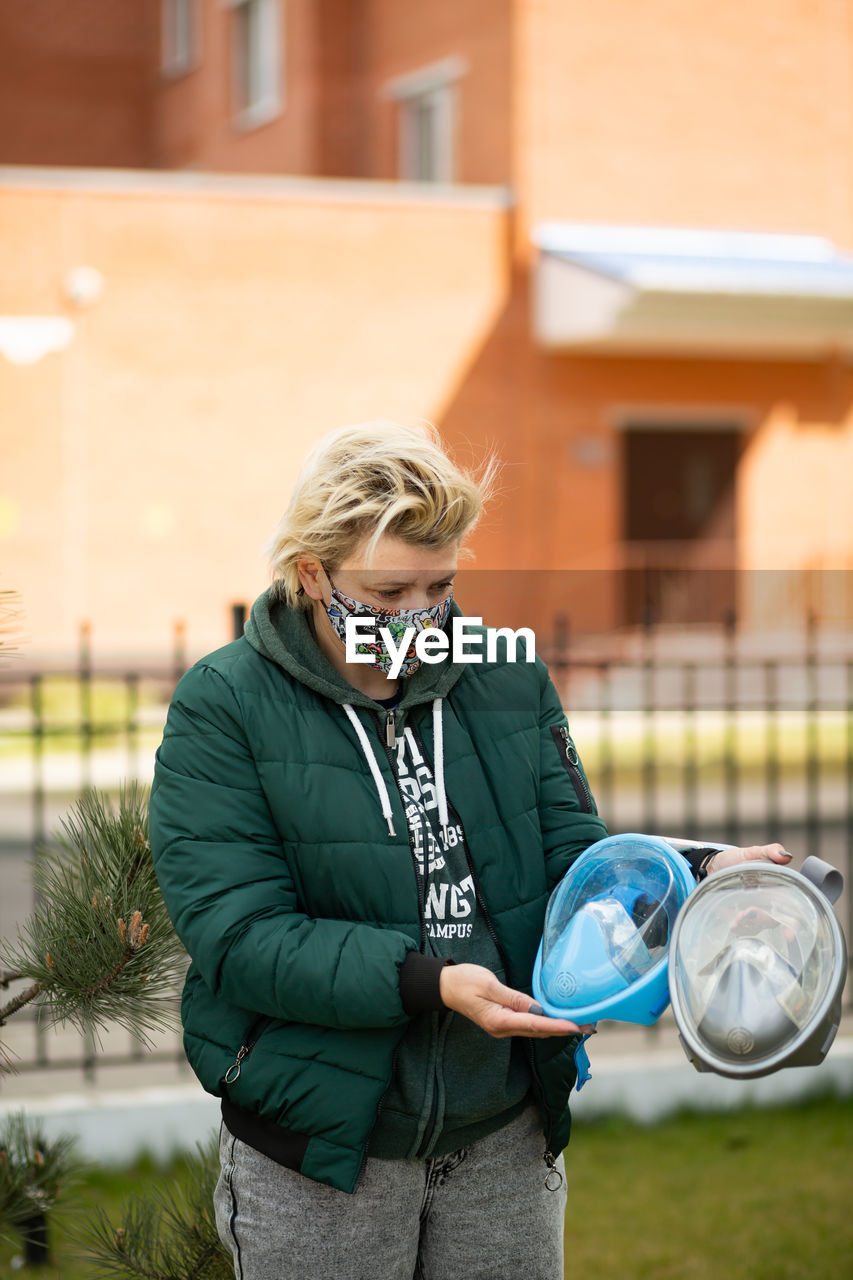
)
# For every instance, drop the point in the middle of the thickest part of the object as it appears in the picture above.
(368, 480)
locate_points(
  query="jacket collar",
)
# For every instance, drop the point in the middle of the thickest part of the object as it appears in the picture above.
(285, 635)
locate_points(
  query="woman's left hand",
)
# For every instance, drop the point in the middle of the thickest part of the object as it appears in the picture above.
(749, 853)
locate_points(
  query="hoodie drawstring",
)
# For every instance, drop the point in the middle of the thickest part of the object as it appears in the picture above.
(381, 789)
(438, 740)
(379, 781)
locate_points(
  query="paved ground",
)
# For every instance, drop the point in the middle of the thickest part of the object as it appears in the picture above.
(160, 1108)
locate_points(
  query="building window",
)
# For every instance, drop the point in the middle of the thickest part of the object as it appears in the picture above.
(256, 45)
(427, 121)
(180, 31)
(426, 136)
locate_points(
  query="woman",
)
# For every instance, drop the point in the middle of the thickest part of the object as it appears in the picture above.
(359, 866)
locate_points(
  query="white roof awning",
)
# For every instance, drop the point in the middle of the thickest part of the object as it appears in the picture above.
(658, 290)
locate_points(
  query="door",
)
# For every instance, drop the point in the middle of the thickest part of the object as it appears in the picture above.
(679, 523)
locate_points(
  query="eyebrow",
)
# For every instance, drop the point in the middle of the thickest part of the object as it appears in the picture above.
(407, 582)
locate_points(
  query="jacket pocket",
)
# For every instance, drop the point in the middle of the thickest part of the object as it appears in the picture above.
(571, 763)
(250, 1039)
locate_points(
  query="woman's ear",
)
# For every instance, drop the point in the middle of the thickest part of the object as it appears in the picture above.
(309, 571)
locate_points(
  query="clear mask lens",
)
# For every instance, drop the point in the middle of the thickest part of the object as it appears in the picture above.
(755, 961)
(608, 924)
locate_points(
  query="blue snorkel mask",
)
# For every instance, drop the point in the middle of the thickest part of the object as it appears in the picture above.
(605, 945)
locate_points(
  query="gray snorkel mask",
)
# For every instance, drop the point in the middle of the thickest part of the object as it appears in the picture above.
(757, 967)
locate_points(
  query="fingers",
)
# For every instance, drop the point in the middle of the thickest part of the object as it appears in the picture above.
(514, 1014)
(475, 992)
(750, 853)
(501, 1022)
(517, 1002)
(764, 853)
(510, 1000)
(772, 853)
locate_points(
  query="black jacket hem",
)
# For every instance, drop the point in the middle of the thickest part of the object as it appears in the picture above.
(284, 1146)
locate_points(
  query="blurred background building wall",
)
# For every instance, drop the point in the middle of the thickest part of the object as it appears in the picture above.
(147, 463)
(661, 114)
(76, 83)
(348, 263)
(686, 114)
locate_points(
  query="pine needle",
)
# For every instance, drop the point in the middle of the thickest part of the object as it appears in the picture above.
(100, 949)
(169, 1234)
(34, 1171)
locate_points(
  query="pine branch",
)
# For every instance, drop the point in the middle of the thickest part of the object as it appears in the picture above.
(169, 1235)
(101, 948)
(132, 942)
(33, 1172)
(19, 1001)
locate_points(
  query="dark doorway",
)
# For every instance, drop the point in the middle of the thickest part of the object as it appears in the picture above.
(679, 522)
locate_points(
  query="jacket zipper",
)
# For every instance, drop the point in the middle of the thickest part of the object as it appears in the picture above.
(481, 902)
(422, 881)
(478, 893)
(571, 761)
(389, 742)
(253, 1035)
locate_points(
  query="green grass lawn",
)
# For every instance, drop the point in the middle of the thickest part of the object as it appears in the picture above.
(109, 706)
(105, 1188)
(624, 739)
(710, 742)
(755, 1195)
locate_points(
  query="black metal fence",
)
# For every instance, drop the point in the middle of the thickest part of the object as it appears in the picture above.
(65, 729)
(708, 736)
(768, 740)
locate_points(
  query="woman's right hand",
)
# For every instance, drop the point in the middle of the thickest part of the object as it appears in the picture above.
(475, 992)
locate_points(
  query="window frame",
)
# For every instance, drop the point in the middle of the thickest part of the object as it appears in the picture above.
(269, 103)
(175, 62)
(436, 88)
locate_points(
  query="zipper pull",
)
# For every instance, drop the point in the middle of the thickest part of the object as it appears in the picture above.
(390, 730)
(573, 766)
(553, 1178)
(569, 748)
(237, 1064)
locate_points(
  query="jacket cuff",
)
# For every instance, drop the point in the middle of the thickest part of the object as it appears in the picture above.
(419, 979)
(699, 859)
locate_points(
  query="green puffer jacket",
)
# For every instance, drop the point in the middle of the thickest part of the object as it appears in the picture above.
(297, 905)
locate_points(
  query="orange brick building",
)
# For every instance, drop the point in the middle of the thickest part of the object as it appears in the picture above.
(610, 242)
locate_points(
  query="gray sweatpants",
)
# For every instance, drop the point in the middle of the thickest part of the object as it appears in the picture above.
(478, 1214)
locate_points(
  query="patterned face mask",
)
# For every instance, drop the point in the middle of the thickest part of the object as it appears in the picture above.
(396, 620)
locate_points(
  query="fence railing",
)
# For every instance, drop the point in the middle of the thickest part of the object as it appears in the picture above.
(706, 735)
(685, 734)
(65, 729)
